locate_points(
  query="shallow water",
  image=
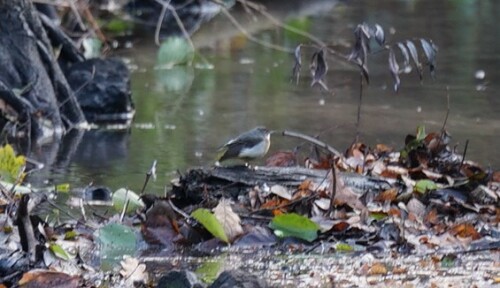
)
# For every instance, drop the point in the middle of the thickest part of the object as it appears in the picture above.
(184, 114)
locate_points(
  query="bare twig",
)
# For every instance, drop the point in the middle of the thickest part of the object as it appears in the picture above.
(443, 130)
(151, 172)
(463, 155)
(95, 26)
(125, 207)
(167, 6)
(160, 21)
(360, 101)
(252, 38)
(334, 187)
(79, 20)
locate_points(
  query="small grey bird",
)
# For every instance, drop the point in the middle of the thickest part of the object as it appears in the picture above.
(249, 145)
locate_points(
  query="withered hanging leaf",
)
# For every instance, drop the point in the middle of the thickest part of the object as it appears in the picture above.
(359, 53)
(394, 68)
(414, 55)
(407, 67)
(361, 47)
(378, 33)
(298, 64)
(430, 51)
(319, 68)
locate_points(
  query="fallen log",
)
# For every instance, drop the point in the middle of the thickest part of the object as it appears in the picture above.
(233, 181)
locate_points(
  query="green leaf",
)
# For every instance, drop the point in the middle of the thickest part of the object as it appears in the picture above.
(422, 186)
(58, 251)
(343, 247)
(449, 261)
(175, 51)
(302, 24)
(209, 270)
(63, 188)
(11, 166)
(421, 133)
(294, 225)
(118, 26)
(208, 220)
(70, 235)
(378, 215)
(120, 198)
(116, 240)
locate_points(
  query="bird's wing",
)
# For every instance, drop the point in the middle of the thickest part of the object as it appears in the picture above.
(232, 148)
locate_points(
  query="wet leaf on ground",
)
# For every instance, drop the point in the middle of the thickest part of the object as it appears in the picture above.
(295, 225)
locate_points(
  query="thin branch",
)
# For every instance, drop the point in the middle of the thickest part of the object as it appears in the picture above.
(262, 10)
(151, 172)
(125, 207)
(160, 21)
(463, 155)
(360, 101)
(334, 187)
(252, 38)
(79, 20)
(443, 130)
(312, 140)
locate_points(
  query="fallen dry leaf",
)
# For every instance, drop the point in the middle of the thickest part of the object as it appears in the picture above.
(432, 217)
(46, 278)
(281, 191)
(282, 159)
(377, 269)
(387, 195)
(132, 271)
(230, 221)
(465, 230)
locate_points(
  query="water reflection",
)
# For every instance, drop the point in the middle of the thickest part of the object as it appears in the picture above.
(180, 121)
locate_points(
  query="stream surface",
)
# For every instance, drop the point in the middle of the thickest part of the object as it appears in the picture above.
(184, 114)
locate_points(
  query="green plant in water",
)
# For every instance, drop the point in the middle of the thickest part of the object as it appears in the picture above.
(11, 165)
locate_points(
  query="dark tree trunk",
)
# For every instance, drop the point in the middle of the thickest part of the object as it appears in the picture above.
(35, 98)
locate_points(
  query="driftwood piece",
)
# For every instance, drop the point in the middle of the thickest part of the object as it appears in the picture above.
(234, 180)
(292, 176)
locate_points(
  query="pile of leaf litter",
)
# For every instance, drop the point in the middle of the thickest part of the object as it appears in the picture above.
(421, 201)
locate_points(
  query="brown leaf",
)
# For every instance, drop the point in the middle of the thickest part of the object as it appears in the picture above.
(383, 149)
(161, 225)
(399, 270)
(341, 226)
(345, 195)
(282, 159)
(46, 278)
(377, 269)
(305, 185)
(496, 176)
(387, 195)
(394, 212)
(465, 230)
(432, 217)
